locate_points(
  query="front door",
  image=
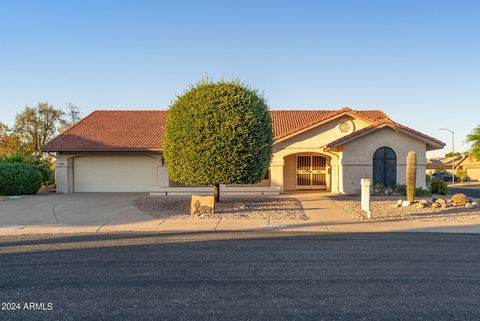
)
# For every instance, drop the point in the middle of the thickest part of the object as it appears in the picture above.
(311, 172)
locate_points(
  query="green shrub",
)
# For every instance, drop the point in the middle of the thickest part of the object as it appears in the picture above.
(419, 191)
(438, 187)
(19, 178)
(399, 189)
(43, 165)
(461, 173)
(218, 133)
(428, 180)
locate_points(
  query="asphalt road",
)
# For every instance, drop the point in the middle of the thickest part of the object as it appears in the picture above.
(243, 276)
(470, 191)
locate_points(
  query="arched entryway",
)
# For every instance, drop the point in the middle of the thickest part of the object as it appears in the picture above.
(384, 167)
(307, 171)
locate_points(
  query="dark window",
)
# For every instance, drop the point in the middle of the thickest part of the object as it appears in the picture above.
(384, 167)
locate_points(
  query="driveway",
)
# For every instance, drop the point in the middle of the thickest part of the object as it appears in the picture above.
(87, 212)
(243, 276)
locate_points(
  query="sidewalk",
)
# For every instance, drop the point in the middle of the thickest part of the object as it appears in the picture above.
(325, 216)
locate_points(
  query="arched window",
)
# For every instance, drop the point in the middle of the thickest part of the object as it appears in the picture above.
(384, 167)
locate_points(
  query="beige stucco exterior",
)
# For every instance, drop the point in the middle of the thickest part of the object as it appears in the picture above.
(346, 165)
(357, 157)
(471, 166)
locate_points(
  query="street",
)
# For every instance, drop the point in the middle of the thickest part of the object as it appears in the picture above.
(472, 191)
(242, 276)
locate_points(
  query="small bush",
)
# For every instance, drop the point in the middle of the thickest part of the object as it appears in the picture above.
(43, 165)
(399, 189)
(438, 187)
(462, 174)
(19, 178)
(460, 199)
(419, 191)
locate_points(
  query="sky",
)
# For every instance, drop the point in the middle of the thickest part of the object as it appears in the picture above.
(419, 61)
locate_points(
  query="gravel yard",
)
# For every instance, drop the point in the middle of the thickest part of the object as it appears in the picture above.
(383, 210)
(277, 208)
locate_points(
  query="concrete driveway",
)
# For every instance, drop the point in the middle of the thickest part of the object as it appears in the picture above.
(79, 212)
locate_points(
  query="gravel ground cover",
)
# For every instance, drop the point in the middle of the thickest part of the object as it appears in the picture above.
(277, 208)
(383, 209)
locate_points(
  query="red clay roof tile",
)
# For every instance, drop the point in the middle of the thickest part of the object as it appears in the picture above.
(142, 130)
(380, 124)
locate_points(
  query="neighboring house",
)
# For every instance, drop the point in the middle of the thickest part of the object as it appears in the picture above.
(330, 150)
(471, 165)
(436, 164)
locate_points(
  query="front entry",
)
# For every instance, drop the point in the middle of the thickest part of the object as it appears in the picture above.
(311, 172)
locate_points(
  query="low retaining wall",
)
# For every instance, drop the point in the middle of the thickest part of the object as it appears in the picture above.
(224, 191)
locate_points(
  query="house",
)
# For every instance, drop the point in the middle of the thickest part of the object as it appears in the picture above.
(330, 150)
(471, 166)
(436, 164)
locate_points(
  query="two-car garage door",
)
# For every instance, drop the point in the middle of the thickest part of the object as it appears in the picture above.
(114, 174)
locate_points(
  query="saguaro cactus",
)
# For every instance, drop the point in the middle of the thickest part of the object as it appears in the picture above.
(411, 175)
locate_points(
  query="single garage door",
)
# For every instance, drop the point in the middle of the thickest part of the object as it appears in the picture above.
(114, 174)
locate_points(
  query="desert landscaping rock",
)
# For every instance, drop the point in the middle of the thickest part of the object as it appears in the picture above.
(275, 208)
(383, 209)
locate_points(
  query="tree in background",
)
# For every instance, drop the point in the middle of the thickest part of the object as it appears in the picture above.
(9, 141)
(474, 139)
(71, 117)
(218, 133)
(462, 174)
(452, 154)
(37, 125)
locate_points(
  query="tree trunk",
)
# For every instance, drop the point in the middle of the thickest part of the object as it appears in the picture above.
(216, 193)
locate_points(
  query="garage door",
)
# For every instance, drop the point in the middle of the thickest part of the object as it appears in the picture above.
(114, 174)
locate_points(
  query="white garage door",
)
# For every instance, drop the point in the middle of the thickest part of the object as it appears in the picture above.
(114, 174)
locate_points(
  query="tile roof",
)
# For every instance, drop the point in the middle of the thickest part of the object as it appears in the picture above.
(436, 163)
(382, 124)
(450, 160)
(142, 130)
(116, 130)
(286, 122)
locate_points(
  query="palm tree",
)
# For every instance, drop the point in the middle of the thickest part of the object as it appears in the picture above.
(474, 139)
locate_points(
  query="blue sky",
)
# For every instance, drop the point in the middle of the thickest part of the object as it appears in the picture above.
(419, 61)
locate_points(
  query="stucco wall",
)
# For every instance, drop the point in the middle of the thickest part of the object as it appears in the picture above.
(316, 137)
(358, 157)
(311, 141)
(289, 173)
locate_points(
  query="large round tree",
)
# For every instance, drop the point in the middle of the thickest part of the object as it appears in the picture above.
(218, 133)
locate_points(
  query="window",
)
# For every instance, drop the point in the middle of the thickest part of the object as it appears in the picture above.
(384, 167)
